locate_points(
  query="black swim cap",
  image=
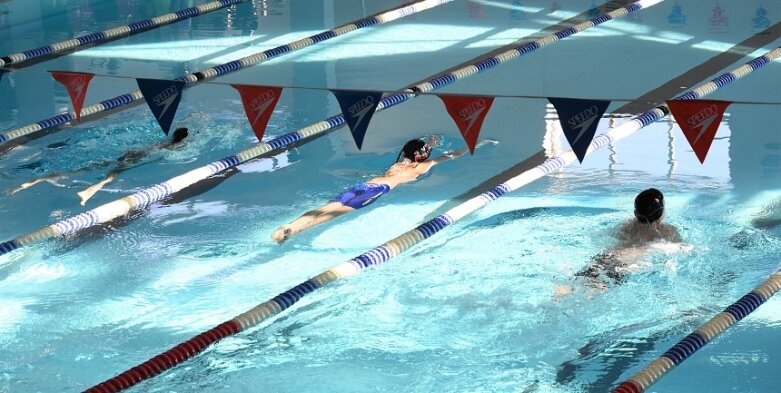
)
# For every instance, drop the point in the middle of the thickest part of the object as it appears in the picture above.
(179, 134)
(649, 205)
(415, 150)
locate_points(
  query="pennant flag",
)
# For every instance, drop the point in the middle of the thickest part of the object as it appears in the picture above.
(699, 120)
(259, 103)
(163, 98)
(579, 120)
(77, 84)
(468, 112)
(358, 108)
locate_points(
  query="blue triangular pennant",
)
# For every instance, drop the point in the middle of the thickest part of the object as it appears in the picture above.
(579, 120)
(163, 98)
(358, 108)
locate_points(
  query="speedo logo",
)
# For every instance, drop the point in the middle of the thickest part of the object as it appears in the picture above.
(700, 116)
(471, 113)
(702, 119)
(164, 95)
(583, 120)
(584, 115)
(76, 85)
(360, 108)
(165, 98)
(260, 103)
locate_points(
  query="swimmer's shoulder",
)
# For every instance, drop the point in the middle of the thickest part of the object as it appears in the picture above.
(671, 233)
(625, 230)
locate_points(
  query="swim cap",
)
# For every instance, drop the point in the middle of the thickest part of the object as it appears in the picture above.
(179, 134)
(415, 150)
(649, 205)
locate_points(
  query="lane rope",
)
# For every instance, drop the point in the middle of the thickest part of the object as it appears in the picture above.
(141, 199)
(643, 379)
(276, 305)
(130, 100)
(18, 60)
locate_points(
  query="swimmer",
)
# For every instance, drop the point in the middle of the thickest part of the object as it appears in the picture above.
(411, 163)
(123, 163)
(638, 237)
(127, 161)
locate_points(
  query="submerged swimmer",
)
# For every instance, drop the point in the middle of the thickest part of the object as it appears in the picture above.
(638, 237)
(123, 163)
(411, 163)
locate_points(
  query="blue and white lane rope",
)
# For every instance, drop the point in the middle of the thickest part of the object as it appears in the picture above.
(135, 98)
(17, 59)
(655, 370)
(120, 207)
(396, 246)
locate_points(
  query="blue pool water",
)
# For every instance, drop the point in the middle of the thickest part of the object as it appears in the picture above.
(469, 310)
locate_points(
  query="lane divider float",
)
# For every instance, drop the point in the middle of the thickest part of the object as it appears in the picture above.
(639, 382)
(18, 60)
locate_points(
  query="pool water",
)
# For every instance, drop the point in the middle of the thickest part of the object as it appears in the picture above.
(471, 309)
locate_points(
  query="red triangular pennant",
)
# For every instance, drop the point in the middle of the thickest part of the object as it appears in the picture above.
(77, 84)
(468, 112)
(699, 120)
(259, 103)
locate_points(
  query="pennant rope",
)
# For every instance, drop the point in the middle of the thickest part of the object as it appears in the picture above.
(141, 199)
(403, 91)
(396, 246)
(679, 352)
(104, 36)
(135, 98)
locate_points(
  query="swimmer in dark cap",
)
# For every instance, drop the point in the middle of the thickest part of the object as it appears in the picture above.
(411, 163)
(637, 238)
(128, 160)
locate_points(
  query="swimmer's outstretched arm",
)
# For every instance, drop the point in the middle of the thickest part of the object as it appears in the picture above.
(460, 152)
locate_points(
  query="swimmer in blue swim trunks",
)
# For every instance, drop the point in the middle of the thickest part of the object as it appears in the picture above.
(411, 163)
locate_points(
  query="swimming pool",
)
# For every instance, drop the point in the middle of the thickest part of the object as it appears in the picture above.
(468, 310)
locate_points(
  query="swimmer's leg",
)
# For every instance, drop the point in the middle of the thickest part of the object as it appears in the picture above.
(309, 219)
(91, 190)
(51, 179)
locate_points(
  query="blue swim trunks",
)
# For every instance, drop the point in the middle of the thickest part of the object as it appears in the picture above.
(362, 195)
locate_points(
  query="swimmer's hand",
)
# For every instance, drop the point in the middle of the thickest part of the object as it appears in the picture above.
(487, 141)
(434, 140)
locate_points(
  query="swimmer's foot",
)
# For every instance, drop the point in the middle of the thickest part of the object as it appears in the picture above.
(282, 234)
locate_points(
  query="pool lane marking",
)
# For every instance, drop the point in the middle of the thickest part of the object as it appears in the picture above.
(392, 248)
(376, 256)
(640, 381)
(135, 98)
(24, 58)
(111, 210)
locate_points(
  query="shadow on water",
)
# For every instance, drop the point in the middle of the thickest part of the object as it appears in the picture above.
(99, 231)
(514, 215)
